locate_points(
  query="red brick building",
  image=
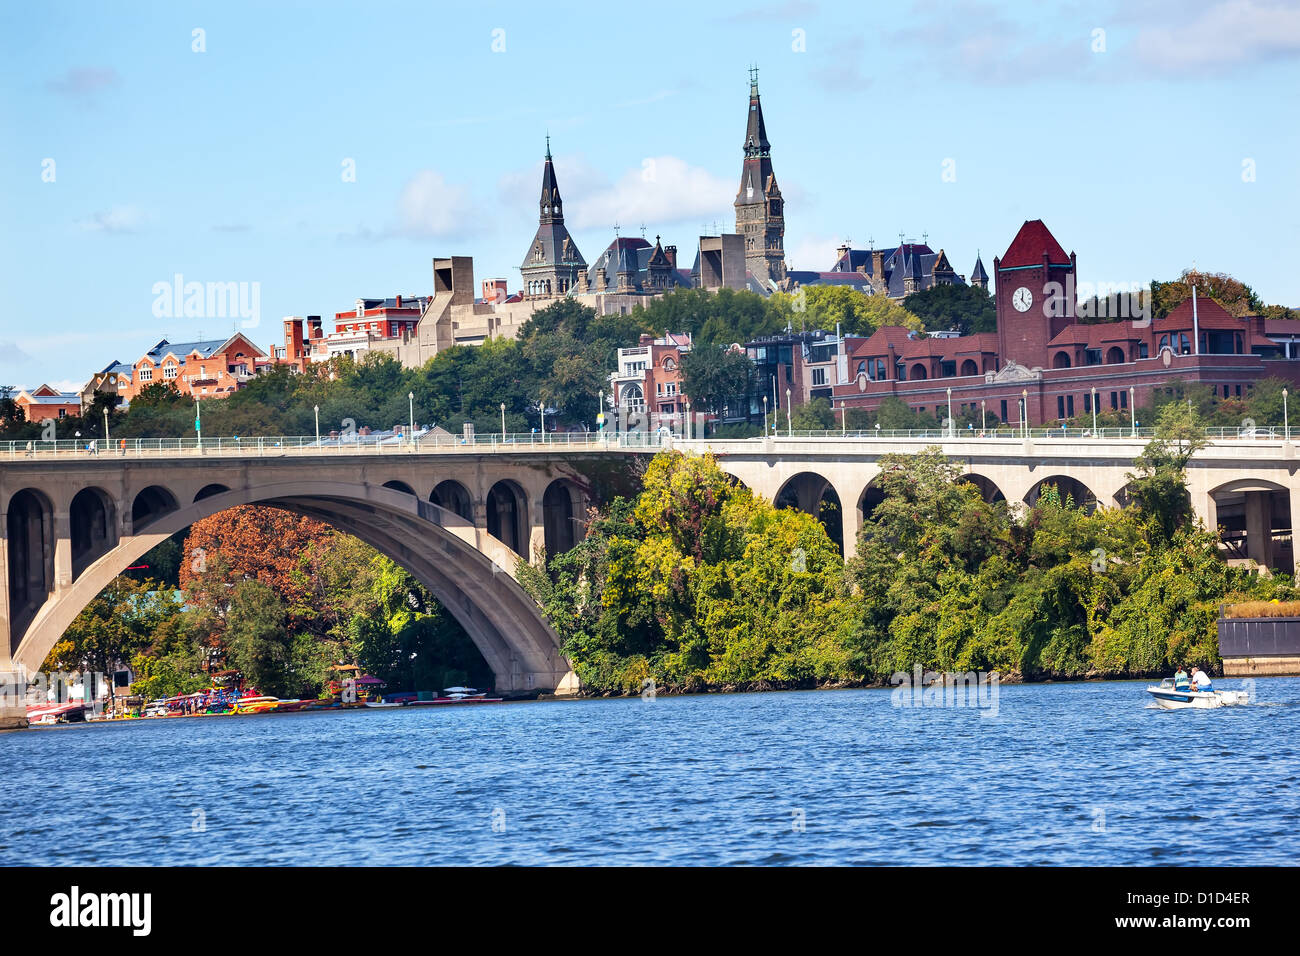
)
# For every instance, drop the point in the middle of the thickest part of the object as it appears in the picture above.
(1051, 357)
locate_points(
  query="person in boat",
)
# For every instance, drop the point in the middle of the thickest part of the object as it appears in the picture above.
(1181, 680)
(1202, 680)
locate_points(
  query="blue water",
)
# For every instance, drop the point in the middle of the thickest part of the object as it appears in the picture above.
(1064, 773)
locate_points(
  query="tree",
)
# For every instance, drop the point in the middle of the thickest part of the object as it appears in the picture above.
(816, 415)
(1159, 488)
(831, 306)
(1236, 297)
(966, 309)
(257, 640)
(715, 377)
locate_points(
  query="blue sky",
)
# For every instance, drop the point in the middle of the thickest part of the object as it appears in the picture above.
(1135, 145)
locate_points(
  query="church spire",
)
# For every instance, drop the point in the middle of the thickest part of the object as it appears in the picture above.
(550, 204)
(760, 213)
(756, 143)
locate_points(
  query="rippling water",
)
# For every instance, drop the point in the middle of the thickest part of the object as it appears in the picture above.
(1065, 773)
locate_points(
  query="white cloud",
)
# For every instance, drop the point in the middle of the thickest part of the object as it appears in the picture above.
(1225, 35)
(117, 219)
(429, 207)
(663, 189)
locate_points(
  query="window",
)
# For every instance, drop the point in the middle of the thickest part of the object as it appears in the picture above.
(1184, 345)
(880, 369)
(1060, 406)
(819, 376)
(947, 369)
(1114, 399)
(1004, 409)
(146, 375)
(1123, 399)
(169, 372)
(1087, 401)
(1142, 350)
(1092, 356)
(900, 372)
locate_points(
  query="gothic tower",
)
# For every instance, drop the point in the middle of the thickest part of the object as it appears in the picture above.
(553, 262)
(760, 212)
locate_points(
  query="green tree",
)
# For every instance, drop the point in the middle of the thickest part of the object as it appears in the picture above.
(715, 377)
(966, 309)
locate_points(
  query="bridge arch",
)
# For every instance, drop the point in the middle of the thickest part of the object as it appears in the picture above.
(1065, 484)
(987, 488)
(507, 515)
(1253, 520)
(401, 486)
(468, 571)
(29, 529)
(452, 496)
(92, 526)
(150, 504)
(813, 494)
(562, 515)
(207, 491)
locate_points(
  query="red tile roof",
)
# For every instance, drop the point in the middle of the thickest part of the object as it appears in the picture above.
(1028, 247)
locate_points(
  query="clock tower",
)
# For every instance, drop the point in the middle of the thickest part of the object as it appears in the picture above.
(1034, 282)
(760, 210)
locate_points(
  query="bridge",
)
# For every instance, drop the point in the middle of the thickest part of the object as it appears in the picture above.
(461, 515)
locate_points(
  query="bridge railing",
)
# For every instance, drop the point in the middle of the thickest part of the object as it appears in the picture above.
(385, 444)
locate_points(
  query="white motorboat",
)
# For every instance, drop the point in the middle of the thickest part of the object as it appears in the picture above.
(1168, 697)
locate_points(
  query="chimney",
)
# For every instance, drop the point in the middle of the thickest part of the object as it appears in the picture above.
(671, 253)
(878, 264)
(399, 300)
(645, 339)
(600, 280)
(314, 327)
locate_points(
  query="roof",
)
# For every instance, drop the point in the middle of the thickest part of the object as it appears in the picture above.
(978, 272)
(1031, 242)
(205, 348)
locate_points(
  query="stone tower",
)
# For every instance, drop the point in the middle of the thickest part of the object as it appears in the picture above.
(553, 262)
(760, 211)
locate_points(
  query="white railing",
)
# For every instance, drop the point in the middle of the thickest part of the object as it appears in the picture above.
(389, 444)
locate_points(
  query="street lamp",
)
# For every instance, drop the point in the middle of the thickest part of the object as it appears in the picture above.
(1286, 421)
(789, 427)
(600, 414)
(764, 416)
(541, 407)
(503, 422)
(410, 397)
(984, 411)
(106, 435)
(688, 419)
(1132, 410)
(843, 413)
(1024, 411)
(316, 409)
(950, 421)
(1094, 411)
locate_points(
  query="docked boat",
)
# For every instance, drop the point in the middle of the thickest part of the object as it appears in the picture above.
(1168, 697)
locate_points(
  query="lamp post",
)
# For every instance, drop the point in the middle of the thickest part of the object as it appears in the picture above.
(198, 420)
(1024, 411)
(789, 418)
(764, 416)
(843, 413)
(503, 422)
(688, 419)
(600, 414)
(106, 435)
(984, 412)
(541, 407)
(1094, 411)
(316, 409)
(1132, 410)
(410, 397)
(1286, 421)
(950, 421)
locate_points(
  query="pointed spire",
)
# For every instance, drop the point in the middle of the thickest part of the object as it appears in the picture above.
(756, 143)
(550, 204)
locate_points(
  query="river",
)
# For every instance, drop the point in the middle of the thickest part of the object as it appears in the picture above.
(1077, 773)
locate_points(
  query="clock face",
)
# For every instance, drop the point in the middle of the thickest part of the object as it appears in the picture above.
(1022, 299)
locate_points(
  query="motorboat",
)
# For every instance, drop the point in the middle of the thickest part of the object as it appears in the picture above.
(1168, 697)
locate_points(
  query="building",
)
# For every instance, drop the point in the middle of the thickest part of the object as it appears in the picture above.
(553, 261)
(649, 379)
(897, 273)
(1054, 363)
(213, 368)
(760, 209)
(45, 402)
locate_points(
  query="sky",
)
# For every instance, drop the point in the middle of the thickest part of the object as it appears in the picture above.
(320, 152)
